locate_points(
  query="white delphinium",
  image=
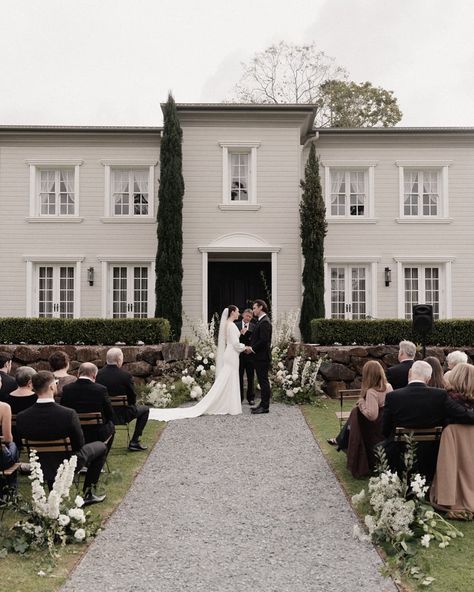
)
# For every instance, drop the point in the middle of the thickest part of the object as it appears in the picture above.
(418, 486)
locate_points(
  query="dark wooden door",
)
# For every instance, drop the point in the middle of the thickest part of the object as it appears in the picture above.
(238, 283)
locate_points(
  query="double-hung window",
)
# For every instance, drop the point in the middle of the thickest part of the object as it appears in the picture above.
(239, 174)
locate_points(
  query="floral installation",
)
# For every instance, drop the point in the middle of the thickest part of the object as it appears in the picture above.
(49, 520)
(195, 392)
(300, 384)
(399, 519)
(158, 394)
(203, 368)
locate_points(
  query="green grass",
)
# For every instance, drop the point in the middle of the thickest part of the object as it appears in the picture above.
(452, 567)
(19, 573)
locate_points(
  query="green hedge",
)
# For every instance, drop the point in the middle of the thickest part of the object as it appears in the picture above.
(454, 332)
(86, 331)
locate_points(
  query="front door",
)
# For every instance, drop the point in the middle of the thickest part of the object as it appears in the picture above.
(237, 282)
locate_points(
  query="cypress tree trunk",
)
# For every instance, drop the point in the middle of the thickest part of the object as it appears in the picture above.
(313, 229)
(169, 267)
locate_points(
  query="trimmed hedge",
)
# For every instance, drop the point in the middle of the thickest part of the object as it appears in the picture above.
(453, 332)
(83, 331)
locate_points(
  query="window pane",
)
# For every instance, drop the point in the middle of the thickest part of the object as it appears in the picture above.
(337, 292)
(120, 192)
(66, 292)
(359, 292)
(140, 193)
(140, 292)
(119, 292)
(430, 193)
(239, 181)
(411, 289)
(47, 192)
(432, 289)
(357, 195)
(45, 291)
(66, 192)
(338, 193)
(411, 192)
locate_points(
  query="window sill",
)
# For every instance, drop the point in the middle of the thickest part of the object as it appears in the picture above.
(426, 220)
(128, 220)
(354, 220)
(239, 207)
(54, 220)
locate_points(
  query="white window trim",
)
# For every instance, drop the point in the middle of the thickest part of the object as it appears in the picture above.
(445, 265)
(442, 165)
(372, 264)
(33, 260)
(111, 163)
(369, 166)
(57, 163)
(108, 260)
(227, 147)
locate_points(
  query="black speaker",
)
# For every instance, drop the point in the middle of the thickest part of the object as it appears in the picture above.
(422, 318)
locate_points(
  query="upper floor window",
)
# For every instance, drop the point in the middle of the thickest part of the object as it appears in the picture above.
(349, 189)
(239, 175)
(129, 190)
(423, 190)
(54, 190)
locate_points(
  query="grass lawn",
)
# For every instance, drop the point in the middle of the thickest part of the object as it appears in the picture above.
(19, 573)
(452, 567)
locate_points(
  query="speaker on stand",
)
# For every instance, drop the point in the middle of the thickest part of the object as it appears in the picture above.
(423, 322)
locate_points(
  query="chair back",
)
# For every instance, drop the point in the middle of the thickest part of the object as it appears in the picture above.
(119, 406)
(51, 454)
(418, 434)
(90, 419)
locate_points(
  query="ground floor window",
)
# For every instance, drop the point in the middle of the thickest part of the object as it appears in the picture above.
(422, 286)
(55, 291)
(129, 293)
(349, 291)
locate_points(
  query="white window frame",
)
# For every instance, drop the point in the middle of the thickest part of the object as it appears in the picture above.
(445, 282)
(227, 149)
(36, 166)
(368, 166)
(371, 263)
(33, 262)
(130, 164)
(107, 262)
(442, 167)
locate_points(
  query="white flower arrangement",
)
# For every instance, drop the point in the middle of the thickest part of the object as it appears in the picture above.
(300, 384)
(159, 395)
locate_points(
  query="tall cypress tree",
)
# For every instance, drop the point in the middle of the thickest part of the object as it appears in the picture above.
(313, 229)
(169, 267)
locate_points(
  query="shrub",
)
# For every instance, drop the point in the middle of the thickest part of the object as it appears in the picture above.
(453, 332)
(87, 331)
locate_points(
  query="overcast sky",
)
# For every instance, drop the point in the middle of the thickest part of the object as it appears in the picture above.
(111, 62)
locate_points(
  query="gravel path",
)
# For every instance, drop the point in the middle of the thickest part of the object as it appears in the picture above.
(232, 504)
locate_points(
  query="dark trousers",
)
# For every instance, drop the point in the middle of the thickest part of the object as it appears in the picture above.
(92, 456)
(138, 412)
(261, 369)
(246, 367)
(9, 456)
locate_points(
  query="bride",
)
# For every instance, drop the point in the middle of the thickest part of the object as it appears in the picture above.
(224, 396)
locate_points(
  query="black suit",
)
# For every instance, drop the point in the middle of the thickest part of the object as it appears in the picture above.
(120, 382)
(260, 342)
(397, 375)
(246, 362)
(419, 406)
(85, 396)
(50, 421)
(8, 385)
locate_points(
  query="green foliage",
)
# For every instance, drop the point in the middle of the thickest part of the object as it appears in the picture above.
(169, 267)
(348, 104)
(453, 332)
(86, 331)
(313, 229)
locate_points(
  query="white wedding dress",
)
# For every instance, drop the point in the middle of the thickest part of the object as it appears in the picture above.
(224, 396)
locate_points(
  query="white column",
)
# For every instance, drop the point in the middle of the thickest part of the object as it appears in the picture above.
(274, 285)
(204, 285)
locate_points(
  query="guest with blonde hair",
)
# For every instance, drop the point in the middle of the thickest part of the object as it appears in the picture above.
(461, 381)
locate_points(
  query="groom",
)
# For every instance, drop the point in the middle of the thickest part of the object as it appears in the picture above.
(260, 350)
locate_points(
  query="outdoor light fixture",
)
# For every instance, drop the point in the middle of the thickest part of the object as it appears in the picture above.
(388, 276)
(90, 276)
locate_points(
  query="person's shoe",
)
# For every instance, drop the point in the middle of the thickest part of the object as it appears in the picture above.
(258, 410)
(332, 441)
(93, 498)
(25, 468)
(136, 446)
(251, 402)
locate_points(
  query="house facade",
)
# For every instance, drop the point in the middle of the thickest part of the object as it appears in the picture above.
(78, 216)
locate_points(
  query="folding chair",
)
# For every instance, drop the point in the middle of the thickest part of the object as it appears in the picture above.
(418, 434)
(94, 418)
(61, 447)
(120, 403)
(346, 395)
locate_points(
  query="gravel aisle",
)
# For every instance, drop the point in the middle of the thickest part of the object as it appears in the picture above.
(237, 504)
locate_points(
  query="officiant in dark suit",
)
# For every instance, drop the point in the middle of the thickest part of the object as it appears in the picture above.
(246, 325)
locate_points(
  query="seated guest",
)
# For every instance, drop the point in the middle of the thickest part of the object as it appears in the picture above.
(437, 378)
(461, 385)
(59, 364)
(120, 382)
(46, 420)
(363, 430)
(9, 451)
(8, 382)
(397, 375)
(84, 395)
(22, 397)
(419, 406)
(453, 359)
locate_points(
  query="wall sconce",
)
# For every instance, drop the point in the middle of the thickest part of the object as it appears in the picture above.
(388, 276)
(90, 276)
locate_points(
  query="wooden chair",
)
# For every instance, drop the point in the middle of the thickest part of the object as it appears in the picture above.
(94, 418)
(61, 447)
(120, 402)
(418, 434)
(346, 395)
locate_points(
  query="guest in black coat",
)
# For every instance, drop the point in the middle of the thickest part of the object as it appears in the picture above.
(120, 382)
(46, 420)
(397, 375)
(8, 382)
(246, 326)
(260, 350)
(419, 406)
(86, 396)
